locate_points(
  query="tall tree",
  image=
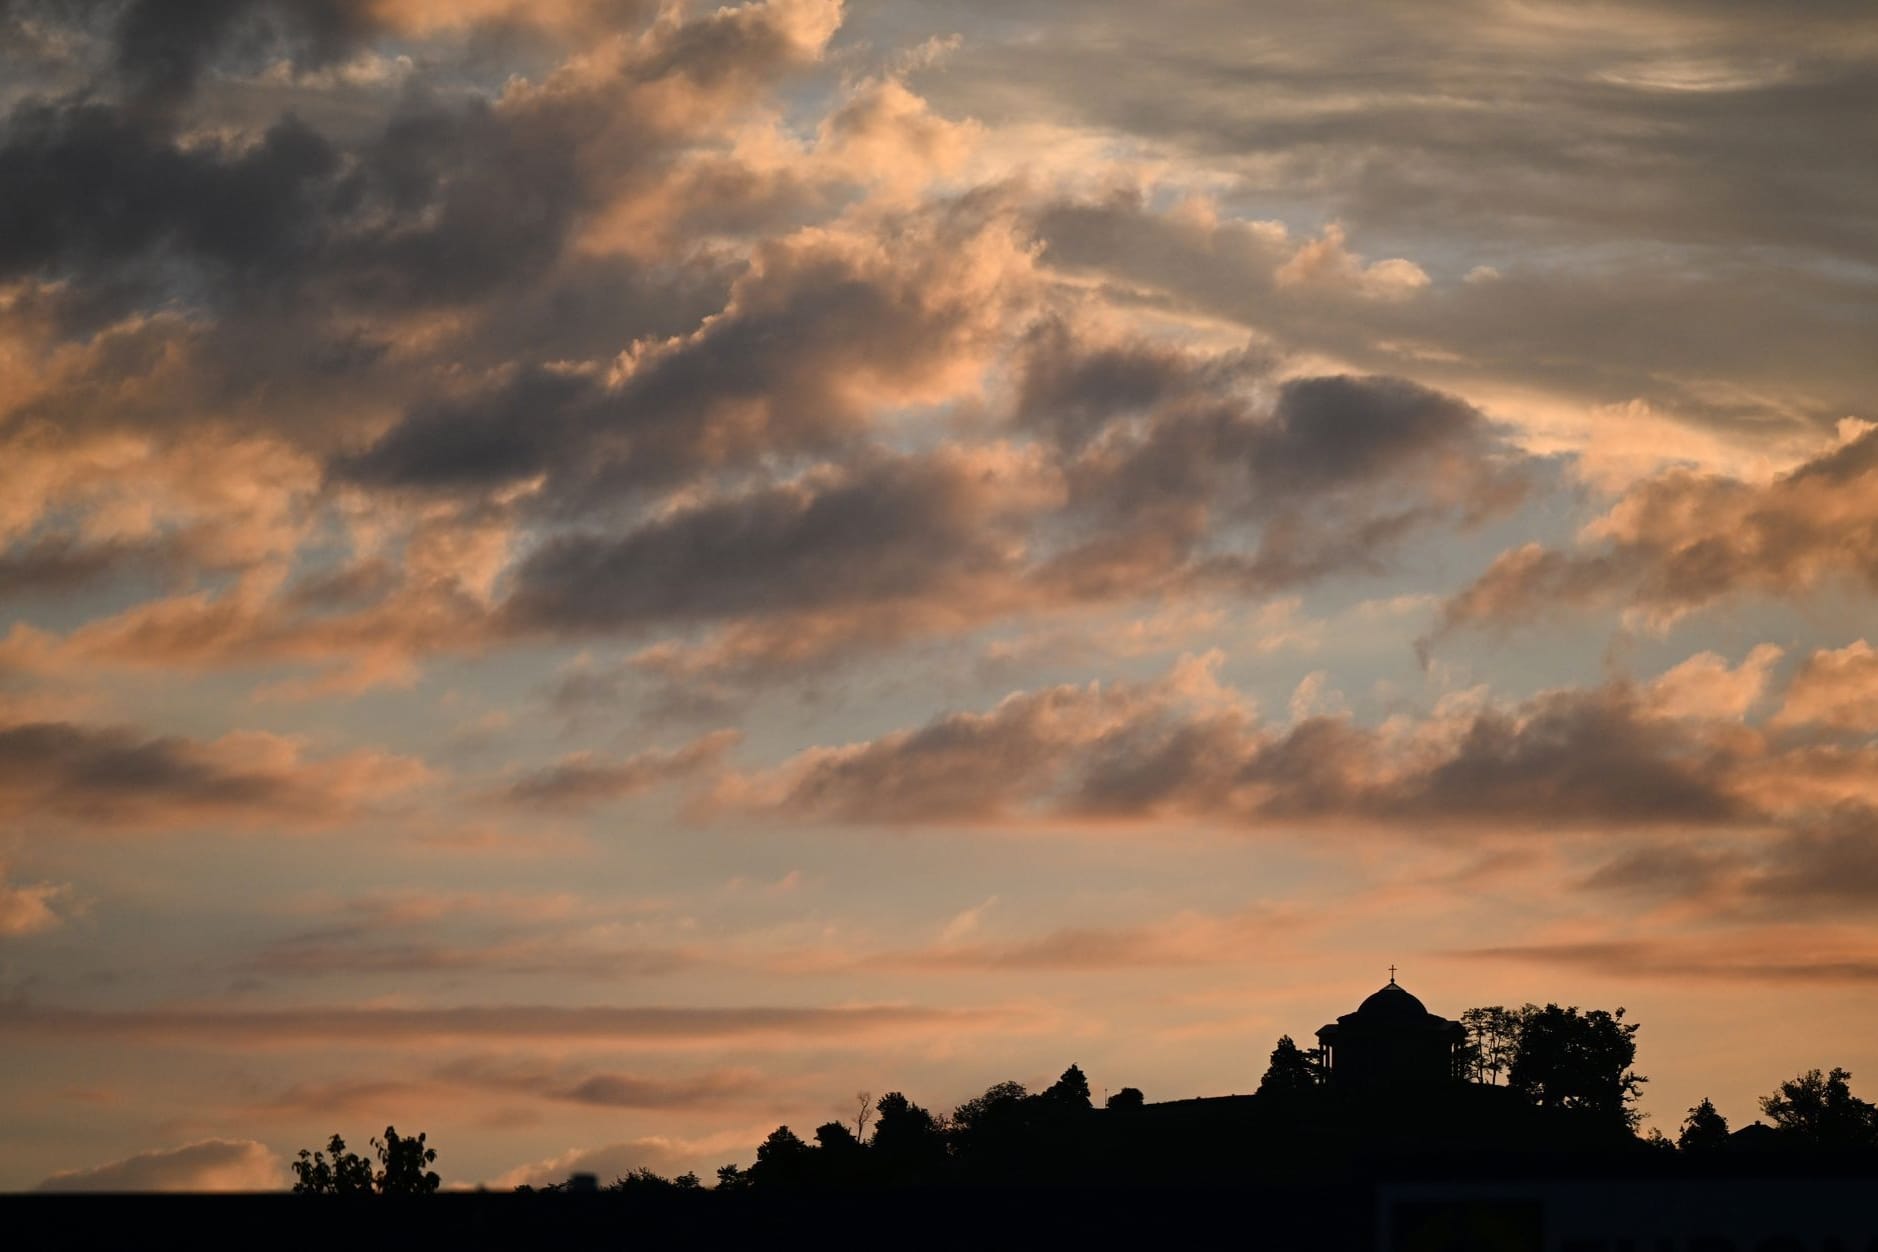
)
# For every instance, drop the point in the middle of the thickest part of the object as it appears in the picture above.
(994, 1113)
(1703, 1129)
(1566, 1059)
(782, 1160)
(1071, 1091)
(1820, 1110)
(994, 1136)
(1292, 1070)
(1492, 1038)
(909, 1143)
(402, 1165)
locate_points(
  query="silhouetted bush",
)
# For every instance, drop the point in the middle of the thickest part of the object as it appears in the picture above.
(401, 1169)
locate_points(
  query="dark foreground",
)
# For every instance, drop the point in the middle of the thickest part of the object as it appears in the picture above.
(1528, 1206)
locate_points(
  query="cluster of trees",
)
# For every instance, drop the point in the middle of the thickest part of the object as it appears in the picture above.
(1815, 1110)
(1008, 1133)
(403, 1168)
(1558, 1058)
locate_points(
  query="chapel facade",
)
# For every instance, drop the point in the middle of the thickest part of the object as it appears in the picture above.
(1391, 1041)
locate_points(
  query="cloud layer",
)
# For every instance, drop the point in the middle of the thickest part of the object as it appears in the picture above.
(608, 558)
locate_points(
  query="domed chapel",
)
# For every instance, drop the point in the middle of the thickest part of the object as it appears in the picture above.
(1392, 1041)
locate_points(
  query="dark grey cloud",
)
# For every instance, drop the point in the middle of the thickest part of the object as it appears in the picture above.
(61, 563)
(482, 441)
(1072, 390)
(443, 200)
(581, 782)
(625, 1091)
(1329, 433)
(97, 773)
(117, 776)
(1821, 865)
(254, 211)
(899, 529)
(1577, 757)
(1194, 475)
(164, 46)
(1829, 864)
(604, 1089)
(1688, 873)
(1187, 463)
(1323, 439)
(1562, 761)
(816, 335)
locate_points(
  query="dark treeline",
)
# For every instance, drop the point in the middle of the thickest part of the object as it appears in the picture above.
(1533, 1080)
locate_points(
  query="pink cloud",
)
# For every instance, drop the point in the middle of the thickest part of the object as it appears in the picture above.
(210, 1165)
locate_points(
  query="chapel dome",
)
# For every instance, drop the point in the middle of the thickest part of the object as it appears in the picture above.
(1392, 1003)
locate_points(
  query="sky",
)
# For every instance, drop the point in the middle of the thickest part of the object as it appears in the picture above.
(591, 577)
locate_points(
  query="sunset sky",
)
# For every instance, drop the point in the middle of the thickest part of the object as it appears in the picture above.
(590, 577)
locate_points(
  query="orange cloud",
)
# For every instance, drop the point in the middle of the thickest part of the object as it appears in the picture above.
(28, 908)
(1706, 686)
(1836, 689)
(1682, 541)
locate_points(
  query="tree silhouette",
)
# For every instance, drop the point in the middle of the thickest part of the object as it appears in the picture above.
(347, 1173)
(1565, 1059)
(1492, 1039)
(835, 1137)
(401, 1168)
(782, 1160)
(402, 1163)
(1703, 1129)
(838, 1157)
(1292, 1070)
(644, 1181)
(1127, 1098)
(991, 1132)
(1819, 1110)
(999, 1108)
(1071, 1091)
(908, 1141)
